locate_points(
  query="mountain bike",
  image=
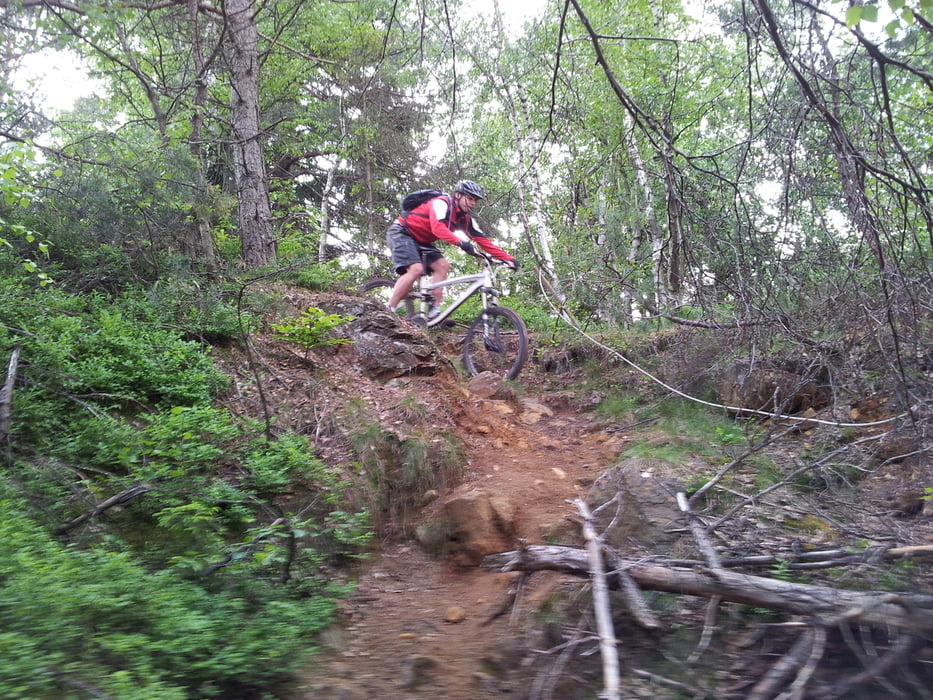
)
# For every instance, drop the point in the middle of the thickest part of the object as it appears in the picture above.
(496, 341)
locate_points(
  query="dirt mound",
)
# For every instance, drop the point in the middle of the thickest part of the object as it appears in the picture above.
(419, 618)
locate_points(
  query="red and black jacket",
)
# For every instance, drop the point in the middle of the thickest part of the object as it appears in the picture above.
(438, 219)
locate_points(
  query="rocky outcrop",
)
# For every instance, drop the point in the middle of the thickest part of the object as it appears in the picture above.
(470, 524)
(645, 514)
(383, 346)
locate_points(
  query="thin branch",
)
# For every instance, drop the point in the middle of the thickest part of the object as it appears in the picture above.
(771, 682)
(607, 637)
(128, 494)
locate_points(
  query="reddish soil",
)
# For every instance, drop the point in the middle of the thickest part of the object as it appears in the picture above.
(404, 636)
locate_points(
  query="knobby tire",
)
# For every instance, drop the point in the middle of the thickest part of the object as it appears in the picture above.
(381, 288)
(497, 341)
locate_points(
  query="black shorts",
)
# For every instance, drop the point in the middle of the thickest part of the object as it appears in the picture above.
(407, 251)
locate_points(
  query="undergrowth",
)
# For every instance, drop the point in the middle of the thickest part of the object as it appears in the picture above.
(152, 544)
(399, 466)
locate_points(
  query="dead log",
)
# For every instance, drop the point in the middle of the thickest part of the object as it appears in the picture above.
(719, 325)
(912, 612)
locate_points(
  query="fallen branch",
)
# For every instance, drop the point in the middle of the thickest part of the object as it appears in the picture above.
(125, 495)
(709, 625)
(699, 534)
(899, 652)
(790, 663)
(718, 325)
(635, 602)
(607, 636)
(512, 601)
(820, 559)
(912, 612)
(788, 479)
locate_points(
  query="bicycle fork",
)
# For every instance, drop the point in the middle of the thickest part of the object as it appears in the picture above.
(492, 338)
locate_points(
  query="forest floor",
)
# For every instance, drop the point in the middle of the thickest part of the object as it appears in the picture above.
(418, 625)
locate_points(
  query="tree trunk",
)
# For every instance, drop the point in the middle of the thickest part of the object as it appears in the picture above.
(325, 214)
(6, 395)
(257, 243)
(199, 239)
(541, 245)
(651, 224)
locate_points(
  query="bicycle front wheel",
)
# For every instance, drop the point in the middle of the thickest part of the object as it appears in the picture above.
(381, 288)
(497, 341)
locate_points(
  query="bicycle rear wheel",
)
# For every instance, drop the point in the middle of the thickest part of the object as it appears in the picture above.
(381, 288)
(497, 341)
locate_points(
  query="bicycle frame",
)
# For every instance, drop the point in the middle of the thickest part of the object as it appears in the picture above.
(482, 281)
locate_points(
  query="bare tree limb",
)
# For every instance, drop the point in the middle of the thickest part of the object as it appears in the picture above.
(899, 652)
(796, 656)
(911, 612)
(125, 495)
(607, 637)
(709, 625)
(635, 602)
(711, 556)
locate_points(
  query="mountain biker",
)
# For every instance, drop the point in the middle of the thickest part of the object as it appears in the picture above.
(441, 218)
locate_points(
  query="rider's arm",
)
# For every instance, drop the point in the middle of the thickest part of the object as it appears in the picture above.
(437, 218)
(488, 246)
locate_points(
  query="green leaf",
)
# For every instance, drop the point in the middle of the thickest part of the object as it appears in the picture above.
(895, 5)
(853, 15)
(926, 4)
(908, 16)
(891, 28)
(869, 13)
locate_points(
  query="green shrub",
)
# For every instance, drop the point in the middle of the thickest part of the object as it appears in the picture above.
(312, 329)
(204, 581)
(73, 621)
(318, 276)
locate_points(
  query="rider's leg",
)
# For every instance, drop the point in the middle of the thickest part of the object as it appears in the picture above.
(439, 270)
(404, 283)
(406, 258)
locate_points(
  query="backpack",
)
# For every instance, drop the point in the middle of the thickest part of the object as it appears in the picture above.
(413, 200)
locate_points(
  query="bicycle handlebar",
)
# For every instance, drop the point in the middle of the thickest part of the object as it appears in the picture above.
(490, 260)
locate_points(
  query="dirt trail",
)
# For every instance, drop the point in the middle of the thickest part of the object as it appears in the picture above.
(399, 643)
